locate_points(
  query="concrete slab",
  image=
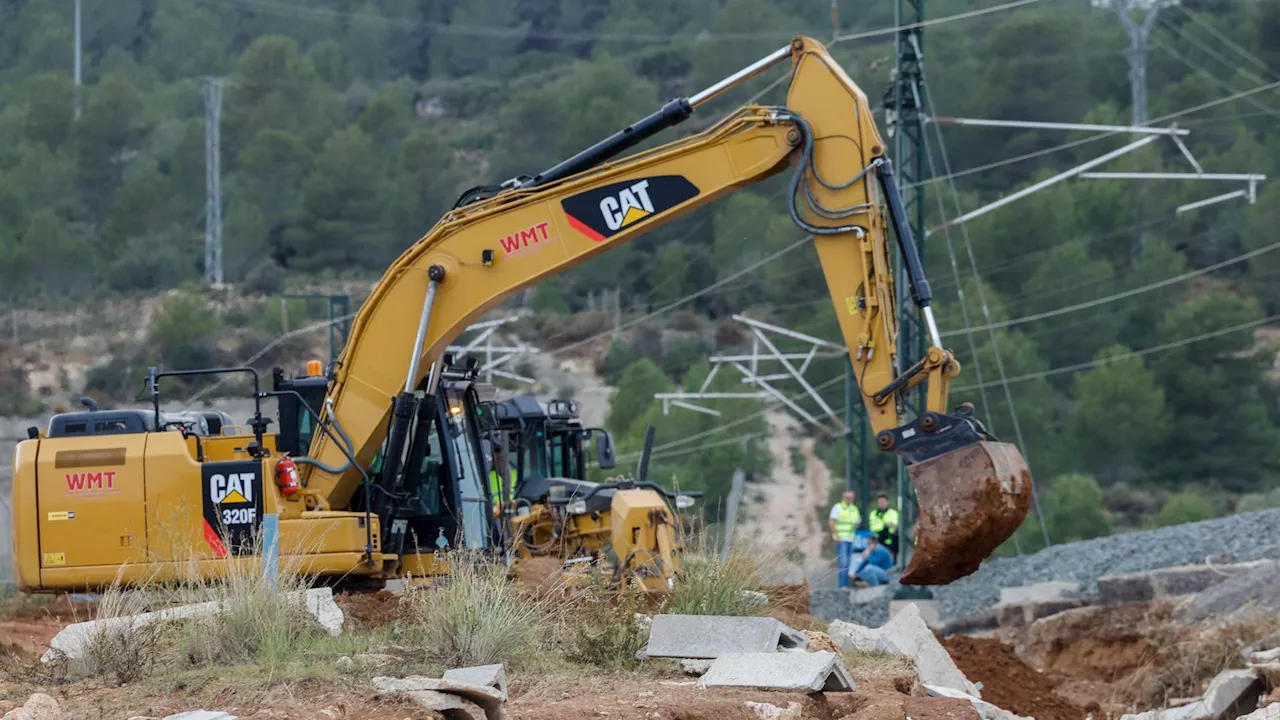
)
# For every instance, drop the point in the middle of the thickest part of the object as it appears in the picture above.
(797, 671)
(72, 641)
(493, 676)
(487, 698)
(1270, 712)
(709, 636)
(1051, 590)
(907, 634)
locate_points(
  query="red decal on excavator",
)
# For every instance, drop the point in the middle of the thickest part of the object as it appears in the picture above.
(91, 482)
(215, 541)
(582, 228)
(522, 240)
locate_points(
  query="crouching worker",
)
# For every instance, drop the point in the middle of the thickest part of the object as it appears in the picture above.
(876, 564)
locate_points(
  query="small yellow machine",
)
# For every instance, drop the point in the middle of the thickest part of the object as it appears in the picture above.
(381, 475)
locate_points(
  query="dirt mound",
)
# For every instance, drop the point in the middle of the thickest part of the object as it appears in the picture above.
(789, 603)
(1103, 643)
(1007, 681)
(368, 609)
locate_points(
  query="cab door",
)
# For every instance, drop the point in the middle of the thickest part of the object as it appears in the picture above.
(91, 499)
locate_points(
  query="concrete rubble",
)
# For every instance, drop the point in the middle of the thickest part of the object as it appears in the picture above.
(907, 634)
(769, 711)
(37, 707)
(795, 671)
(72, 641)
(453, 699)
(985, 710)
(490, 676)
(709, 636)
(1166, 582)
(1230, 694)
(695, 666)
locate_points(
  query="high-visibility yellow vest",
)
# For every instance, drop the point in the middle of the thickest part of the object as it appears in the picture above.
(881, 518)
(495, 486)
(847, 522)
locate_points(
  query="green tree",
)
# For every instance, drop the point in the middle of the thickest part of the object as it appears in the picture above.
(184, 332)
(272, 166)
(1186, 507)
(110, 121)
(464, 53)
(639, 382)
(48, 104)
(341, 221)
(1261, 222)
(428, 184)
(1221, 430)
(273, 87)
(140, 208)
(1120, 388)
(548, 297)
(60, 263)
(1067, 276)
(1073, 509)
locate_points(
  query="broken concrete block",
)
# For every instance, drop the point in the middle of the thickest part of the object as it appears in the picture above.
(769, 711)
(73, 640)
(805, 672)
(852, 636)
(493, 676)
(37, 707)
(1037, 592)
(1270, 712)
(450, 706)
(1229, 695)
(489, 699)
(695, 666)
(907, 634)
(1134, 587)
(1265, 656)
(709, 636)
(985, 710)
(928, 610)
(1018, 616)
(325, 610)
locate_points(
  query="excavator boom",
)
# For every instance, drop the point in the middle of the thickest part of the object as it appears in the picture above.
(500, 240)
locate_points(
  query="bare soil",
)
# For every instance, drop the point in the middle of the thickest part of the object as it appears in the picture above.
(368, 610)
(1008, 682)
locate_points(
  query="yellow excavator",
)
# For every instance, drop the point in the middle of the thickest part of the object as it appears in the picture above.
(361, 497)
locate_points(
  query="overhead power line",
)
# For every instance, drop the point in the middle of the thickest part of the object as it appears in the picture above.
(1120, 295)
(1198, 20)
(291, 10)
(1136, 353)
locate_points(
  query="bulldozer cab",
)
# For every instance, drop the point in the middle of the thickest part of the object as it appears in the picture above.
(546, 441)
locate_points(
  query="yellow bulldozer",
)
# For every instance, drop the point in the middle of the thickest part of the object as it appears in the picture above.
(378, 473)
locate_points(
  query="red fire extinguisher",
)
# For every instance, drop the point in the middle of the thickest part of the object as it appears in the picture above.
(287, 477)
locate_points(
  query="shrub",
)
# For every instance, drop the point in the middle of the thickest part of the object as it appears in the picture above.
(476, 617)
(184, 331)
(264, 278)
(1185, 507)
(1258, 501)
(123, 650)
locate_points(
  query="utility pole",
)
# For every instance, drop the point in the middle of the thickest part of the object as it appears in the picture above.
(78, 62)
(213, 180)
(905, 122)
(1139, 35)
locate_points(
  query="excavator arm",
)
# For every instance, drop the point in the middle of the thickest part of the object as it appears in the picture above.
(498, 242)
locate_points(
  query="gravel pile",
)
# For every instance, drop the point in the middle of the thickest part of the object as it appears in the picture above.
(1238, 538)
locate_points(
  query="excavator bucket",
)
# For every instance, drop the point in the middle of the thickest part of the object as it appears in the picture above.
(971, 500)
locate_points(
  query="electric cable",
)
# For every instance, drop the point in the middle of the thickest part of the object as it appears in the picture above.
(1198, 20)
(1120, 295)
(1216, 80)
(1135, 353)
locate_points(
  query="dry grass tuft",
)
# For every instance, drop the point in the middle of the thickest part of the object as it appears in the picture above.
(475, 616)
(707, 585)
(600, 625)
(1189, 658)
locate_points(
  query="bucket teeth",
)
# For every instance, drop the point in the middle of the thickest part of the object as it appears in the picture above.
(971, 500)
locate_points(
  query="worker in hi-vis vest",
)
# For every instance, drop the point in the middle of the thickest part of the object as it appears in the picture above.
(884, 523)
(843, 522)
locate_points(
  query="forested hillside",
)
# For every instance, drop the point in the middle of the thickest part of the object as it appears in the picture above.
(348, 129)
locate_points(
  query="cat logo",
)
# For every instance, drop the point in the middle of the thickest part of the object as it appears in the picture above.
(602, 212)
(232, 488)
